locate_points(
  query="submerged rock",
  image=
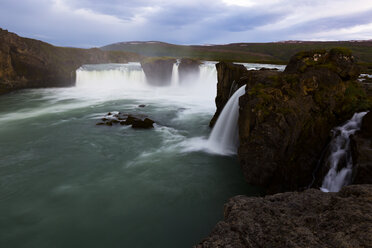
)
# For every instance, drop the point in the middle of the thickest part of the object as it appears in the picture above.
(158, 70)
(136, 121)
(307, 219)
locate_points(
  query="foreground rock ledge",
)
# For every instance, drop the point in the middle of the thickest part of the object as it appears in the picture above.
(307, 219)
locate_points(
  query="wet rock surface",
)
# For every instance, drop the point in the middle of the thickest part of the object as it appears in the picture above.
(285, 119)
(227, 74)
(158, 71)
(188, 70)
(361, 148)
(136, 121)
(306, 219)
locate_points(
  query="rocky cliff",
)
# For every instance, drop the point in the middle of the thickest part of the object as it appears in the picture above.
(28, 63)
(158, 70)
(285, 121)
(188, 70)
(285, 118)
(361, 149)
(307, 219)
(227, 76)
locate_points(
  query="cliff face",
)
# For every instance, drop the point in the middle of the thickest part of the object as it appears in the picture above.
(361, 149)
(285, 123)
(28, 63)
(307, 219)
(158, 71)
(227, 75)
(188, 70)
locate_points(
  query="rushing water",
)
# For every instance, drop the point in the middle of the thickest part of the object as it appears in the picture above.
(225, 136)
(65, 182)
(337, 177)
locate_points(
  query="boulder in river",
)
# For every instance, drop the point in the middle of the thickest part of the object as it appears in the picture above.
(136, 121)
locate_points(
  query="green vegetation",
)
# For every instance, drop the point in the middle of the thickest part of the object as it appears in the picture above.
(341, 50)
(274, 53)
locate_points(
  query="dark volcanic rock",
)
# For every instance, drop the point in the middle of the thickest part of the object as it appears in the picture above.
(285, 121)
(227, 74)
(361, 148)
(146, 123)
(188, 70)
(339, 60)
(136, 121)
(158, 71)
(307, 219)
(28, 63)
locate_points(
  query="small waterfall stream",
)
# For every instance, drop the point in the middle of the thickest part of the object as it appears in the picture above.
(336, 178)
(224, 138)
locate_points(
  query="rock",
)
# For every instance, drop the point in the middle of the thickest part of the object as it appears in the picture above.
(227, 74)
(285, 121)
(142, 105)
(307, 219)
(188, 70)
(361, 148)
(158, 70)
(136, 121)
(268, 69)
(146, 123)
(28, 63)
(339, 60)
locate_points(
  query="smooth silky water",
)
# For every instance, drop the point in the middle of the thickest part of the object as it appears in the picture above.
(65, 182)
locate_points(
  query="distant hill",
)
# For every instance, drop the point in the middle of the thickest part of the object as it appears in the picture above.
(274, 52)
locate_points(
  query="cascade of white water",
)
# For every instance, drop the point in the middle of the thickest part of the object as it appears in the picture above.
(128, 75)
(224, 138)
(340, 151)
(175, 76)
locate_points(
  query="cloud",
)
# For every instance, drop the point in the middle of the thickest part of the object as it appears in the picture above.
(86, 23)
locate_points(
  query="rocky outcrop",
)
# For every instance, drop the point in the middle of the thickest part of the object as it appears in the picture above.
(285, 121)
(158, 71)
(28, 63)
(227, 75)
(188, 70)
(136, 121)
(307, 219)
(361, 148)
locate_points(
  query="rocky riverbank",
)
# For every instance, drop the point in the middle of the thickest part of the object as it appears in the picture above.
(285, 121)
(28, 63)
(306, 219)
(285, 118)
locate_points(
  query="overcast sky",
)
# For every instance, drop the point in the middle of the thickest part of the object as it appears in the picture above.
(88, 23)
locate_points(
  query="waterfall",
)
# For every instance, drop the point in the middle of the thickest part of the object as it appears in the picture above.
(131, 75)
(175, 76)
(224, 138)
(128, 75)
(337, 177)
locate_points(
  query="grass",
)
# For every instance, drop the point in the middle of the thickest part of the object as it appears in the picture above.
(272, 53)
